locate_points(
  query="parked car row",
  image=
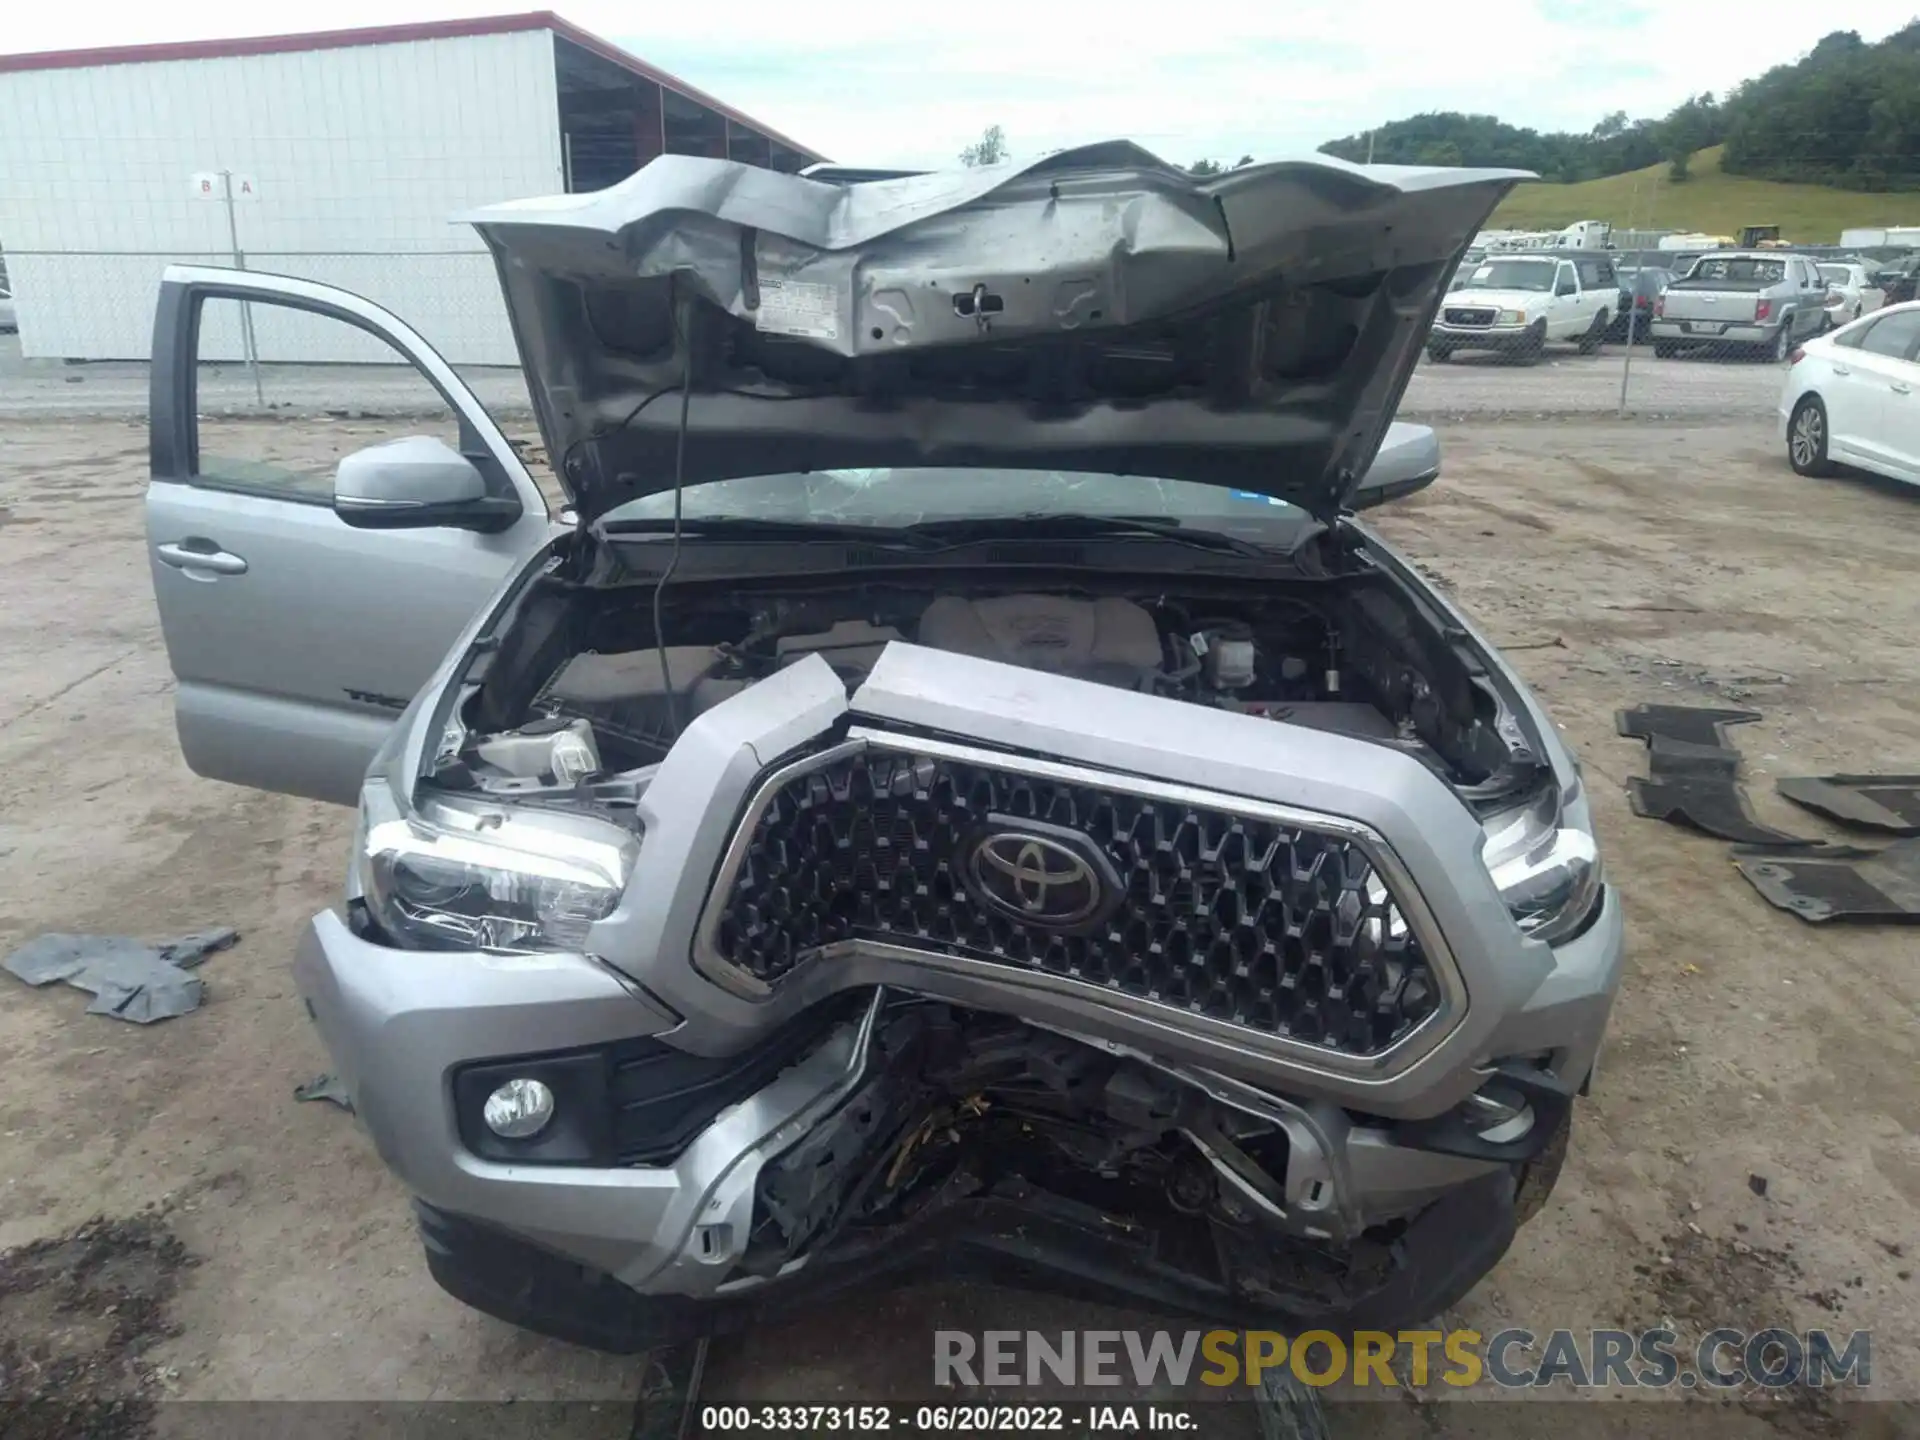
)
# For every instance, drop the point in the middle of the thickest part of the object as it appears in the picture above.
(1761, 301)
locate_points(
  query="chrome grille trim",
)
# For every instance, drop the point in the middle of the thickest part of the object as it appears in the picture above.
(863, 961)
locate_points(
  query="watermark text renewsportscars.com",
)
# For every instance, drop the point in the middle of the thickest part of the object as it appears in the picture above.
(1655, 1359)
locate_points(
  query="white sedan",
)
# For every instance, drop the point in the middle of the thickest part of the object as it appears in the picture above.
(1852, 397)
(1851, 292)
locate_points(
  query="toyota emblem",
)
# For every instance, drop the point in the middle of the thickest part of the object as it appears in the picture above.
(1040, 880)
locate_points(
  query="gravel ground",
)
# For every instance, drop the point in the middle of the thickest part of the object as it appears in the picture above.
(1618, 562)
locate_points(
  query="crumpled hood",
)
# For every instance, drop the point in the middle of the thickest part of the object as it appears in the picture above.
(1094, 310)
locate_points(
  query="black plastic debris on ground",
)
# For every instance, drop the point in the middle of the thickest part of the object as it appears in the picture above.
(138, 981)
(1693, 773)
(1837, 882)
(328, 1087)
(1867, 802)
(1690, 724)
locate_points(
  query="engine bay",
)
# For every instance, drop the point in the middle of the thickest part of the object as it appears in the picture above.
(580, 688)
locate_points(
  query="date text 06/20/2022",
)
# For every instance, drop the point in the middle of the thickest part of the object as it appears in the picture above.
(965, 1419)
(1514, 1359)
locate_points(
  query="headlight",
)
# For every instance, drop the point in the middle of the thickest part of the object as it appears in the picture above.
(1512, 317)
(1545, 865)
(462, 875)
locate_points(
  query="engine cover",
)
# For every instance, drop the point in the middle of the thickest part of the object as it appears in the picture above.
(1107, 639)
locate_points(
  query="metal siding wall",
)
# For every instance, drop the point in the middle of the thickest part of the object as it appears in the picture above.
(361, 155)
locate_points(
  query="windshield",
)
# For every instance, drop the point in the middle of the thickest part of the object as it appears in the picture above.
(1513, 275)
(886, 498)
(1740, 270)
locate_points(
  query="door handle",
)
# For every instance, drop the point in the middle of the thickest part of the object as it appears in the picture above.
(218, 561)
(1841, 370)
(1900, 389)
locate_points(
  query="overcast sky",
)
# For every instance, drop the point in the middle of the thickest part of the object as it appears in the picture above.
(873, 83)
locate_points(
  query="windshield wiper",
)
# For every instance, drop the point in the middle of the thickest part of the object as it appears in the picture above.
(1051, 526)
(753, 527)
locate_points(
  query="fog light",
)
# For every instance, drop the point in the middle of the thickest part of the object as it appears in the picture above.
(519, 1109)
(1499, 1116)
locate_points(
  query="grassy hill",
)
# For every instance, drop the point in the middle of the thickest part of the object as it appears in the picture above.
(1710, 201)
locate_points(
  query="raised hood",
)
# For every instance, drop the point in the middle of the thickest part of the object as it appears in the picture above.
(1093, 310)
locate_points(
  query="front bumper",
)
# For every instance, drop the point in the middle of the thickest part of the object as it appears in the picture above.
(1022, 1241)
(1488, 337)
(400, 1024)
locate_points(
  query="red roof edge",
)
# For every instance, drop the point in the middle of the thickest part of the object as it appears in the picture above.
(386, 35)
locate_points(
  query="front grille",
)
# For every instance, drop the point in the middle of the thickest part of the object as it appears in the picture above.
(1279, 929)
(1457, 316)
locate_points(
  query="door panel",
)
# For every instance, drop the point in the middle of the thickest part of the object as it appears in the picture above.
(1853, 405)
(1884, 376)
(1902, 417)
(295, 638)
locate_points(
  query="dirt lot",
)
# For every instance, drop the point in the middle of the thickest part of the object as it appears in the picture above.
(1619, 563)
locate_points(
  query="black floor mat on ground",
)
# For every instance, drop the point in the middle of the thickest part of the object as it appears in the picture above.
(1689, 724)
(1869, 802)
(1837, 882)
(1693, 773)
(1711, 804)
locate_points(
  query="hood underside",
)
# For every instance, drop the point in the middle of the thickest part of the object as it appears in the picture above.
(1095, 310)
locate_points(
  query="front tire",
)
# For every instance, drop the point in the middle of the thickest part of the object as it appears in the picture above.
(1440, 354)
(1596, 334)
(1807, 439)
(1534, 344)
(1665, 349)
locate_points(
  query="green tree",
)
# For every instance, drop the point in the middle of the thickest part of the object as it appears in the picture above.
(1685, 131)
(1846, 113)
(1202, 169)
(989, 149)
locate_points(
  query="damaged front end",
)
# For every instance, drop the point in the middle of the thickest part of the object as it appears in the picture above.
(977, 1146)
(919, 823)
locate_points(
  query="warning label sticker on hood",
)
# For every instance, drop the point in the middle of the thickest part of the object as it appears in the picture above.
(798, 307)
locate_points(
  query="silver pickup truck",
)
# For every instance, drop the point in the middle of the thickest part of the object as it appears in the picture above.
(1759, 300)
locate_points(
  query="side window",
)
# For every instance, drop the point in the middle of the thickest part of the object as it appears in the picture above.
(1566, 282)
(258, 363)
(1894, 335)
(1604, 275)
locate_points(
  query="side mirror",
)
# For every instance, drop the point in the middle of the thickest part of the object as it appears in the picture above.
(1407, 461)
(415, 484)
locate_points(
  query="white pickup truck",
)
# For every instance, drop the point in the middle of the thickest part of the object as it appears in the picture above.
(1517, 303)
